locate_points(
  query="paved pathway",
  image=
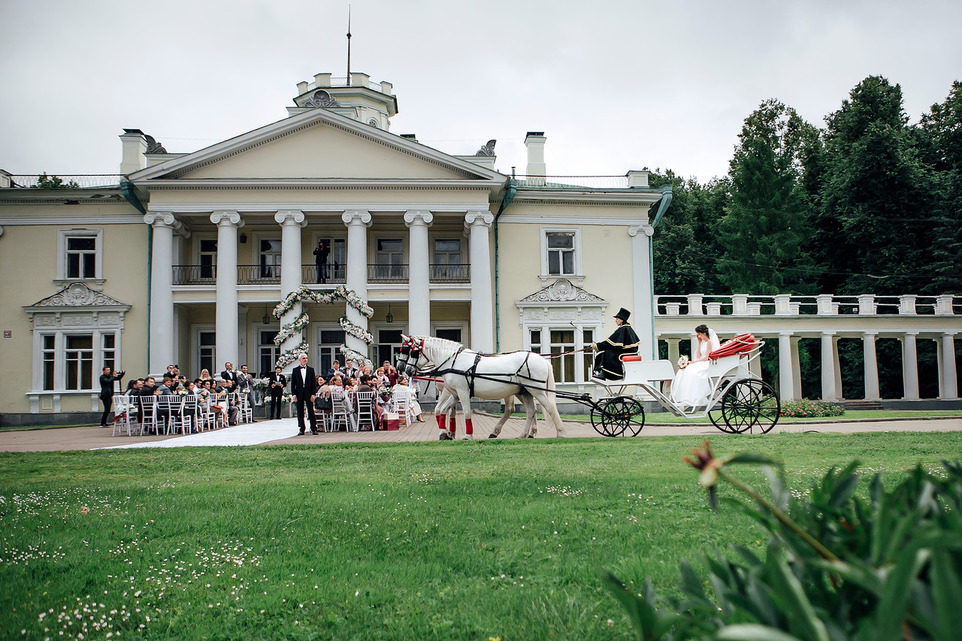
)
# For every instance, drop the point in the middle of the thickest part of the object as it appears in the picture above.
(284, 431)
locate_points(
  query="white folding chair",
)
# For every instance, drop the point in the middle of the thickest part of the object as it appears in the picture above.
(365, 410)
(339, 413)
(245, 411)
(123, 409)
(168, 410)
(189, 419)
(402, 404)
(148, 414)
(205, 415)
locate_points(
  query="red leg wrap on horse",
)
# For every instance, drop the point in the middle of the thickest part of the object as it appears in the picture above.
(440, 421)
(453, 424)
(468, 426)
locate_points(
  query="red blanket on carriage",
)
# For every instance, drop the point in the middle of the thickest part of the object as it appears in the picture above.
(741, 343)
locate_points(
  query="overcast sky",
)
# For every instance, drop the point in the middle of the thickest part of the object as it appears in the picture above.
(615, 85)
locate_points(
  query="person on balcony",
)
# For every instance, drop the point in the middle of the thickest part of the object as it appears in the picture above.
(624, 340)
(321, 252)
(690, 387)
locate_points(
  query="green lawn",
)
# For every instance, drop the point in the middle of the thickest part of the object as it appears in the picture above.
(463, 540)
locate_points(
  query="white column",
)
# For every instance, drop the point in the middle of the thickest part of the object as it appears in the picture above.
(225, 311)
(643, 298)
(796, 370)
(419, 262)
(291, 222)
(910, 367)
(161, 292)
(673, 352)
(786, 381)
(949, 379)
(482, 318)
(356, 277)
(829, 391)
(870, 362)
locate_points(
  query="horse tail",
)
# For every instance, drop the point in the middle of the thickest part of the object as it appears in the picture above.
(552, 411)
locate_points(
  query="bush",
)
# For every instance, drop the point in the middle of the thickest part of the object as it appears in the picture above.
(886, 566)
(811, 409)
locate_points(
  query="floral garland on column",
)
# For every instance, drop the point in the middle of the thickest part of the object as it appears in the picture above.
(306, 295)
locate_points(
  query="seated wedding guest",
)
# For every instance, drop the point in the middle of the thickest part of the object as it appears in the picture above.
(382, 377)
(334, 371)
(391, 373)
(204, 375)
(349, 370)
(322, 400)
(133, 387)
(414, 405)
(690, 387)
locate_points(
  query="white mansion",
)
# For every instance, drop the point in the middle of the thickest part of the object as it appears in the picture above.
(186, 257)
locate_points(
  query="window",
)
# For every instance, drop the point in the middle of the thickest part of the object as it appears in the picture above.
(49, 361)
(267, 352)
(388, 344)
(389, 258)
(206, 341)
(79, 360)
(80, 253)
(331, 341)
(109, 350)
(563, 342)
(73, 361)
(561, 253)
(270, 258)
(82, 257)
(208, 258)
(449, 334)
(447, 259)
(588, 337)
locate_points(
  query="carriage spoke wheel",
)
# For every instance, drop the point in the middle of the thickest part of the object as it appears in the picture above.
(750, 406)
(618, 416)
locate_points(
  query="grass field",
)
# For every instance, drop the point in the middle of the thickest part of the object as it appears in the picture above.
(464, 540)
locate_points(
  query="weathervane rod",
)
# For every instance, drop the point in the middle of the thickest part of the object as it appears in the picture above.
(348, 45)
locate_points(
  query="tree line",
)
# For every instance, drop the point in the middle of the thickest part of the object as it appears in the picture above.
(870, 203)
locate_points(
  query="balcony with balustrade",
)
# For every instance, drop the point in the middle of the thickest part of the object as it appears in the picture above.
(270, 275)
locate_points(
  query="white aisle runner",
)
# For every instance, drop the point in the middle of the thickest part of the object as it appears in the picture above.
(247, 434)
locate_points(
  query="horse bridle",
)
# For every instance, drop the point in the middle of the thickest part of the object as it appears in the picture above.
(411, 348)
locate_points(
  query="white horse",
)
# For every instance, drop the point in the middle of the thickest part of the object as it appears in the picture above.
(467, 373)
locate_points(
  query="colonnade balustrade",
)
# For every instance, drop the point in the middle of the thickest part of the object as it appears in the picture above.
(783, 320)
(419, 274)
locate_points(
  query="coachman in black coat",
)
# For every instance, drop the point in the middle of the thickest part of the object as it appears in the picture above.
(624, 340)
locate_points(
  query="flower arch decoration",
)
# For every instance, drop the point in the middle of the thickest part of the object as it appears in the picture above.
(307, 295)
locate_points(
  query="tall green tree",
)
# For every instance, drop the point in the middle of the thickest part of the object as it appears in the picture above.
(940, 134)
(765, 232)
(685, 252)
(874, 224)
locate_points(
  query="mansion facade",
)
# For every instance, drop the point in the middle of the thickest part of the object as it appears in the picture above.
(201, 258)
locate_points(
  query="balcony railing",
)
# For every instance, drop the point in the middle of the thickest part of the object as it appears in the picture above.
(441, 273)
(820, 305)
(336, 274)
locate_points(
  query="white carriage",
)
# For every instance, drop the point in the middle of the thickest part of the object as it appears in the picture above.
(739, 401)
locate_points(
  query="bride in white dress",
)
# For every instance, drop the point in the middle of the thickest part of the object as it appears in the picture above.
(690, 386)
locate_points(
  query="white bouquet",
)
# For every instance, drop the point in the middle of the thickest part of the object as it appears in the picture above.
(683, 362)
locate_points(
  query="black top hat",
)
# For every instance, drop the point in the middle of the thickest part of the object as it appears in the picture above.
(623, 314)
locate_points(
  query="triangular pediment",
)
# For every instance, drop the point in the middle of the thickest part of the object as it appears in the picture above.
(77, 296)
(318, 145)
(563, 292)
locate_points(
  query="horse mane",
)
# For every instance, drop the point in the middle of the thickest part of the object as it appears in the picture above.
(441, 342)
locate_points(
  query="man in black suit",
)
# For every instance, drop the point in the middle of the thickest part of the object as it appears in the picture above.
(230, 376)
(276, 381)
(304, 388)
(107, 392)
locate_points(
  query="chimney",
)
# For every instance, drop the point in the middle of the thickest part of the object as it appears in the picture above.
(637, 178)
(134, 147)
(536, 170)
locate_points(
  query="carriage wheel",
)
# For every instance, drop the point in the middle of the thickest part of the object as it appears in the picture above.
(750, 406)
(617, 416)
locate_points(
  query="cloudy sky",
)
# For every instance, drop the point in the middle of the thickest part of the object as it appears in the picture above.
(615, 85)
